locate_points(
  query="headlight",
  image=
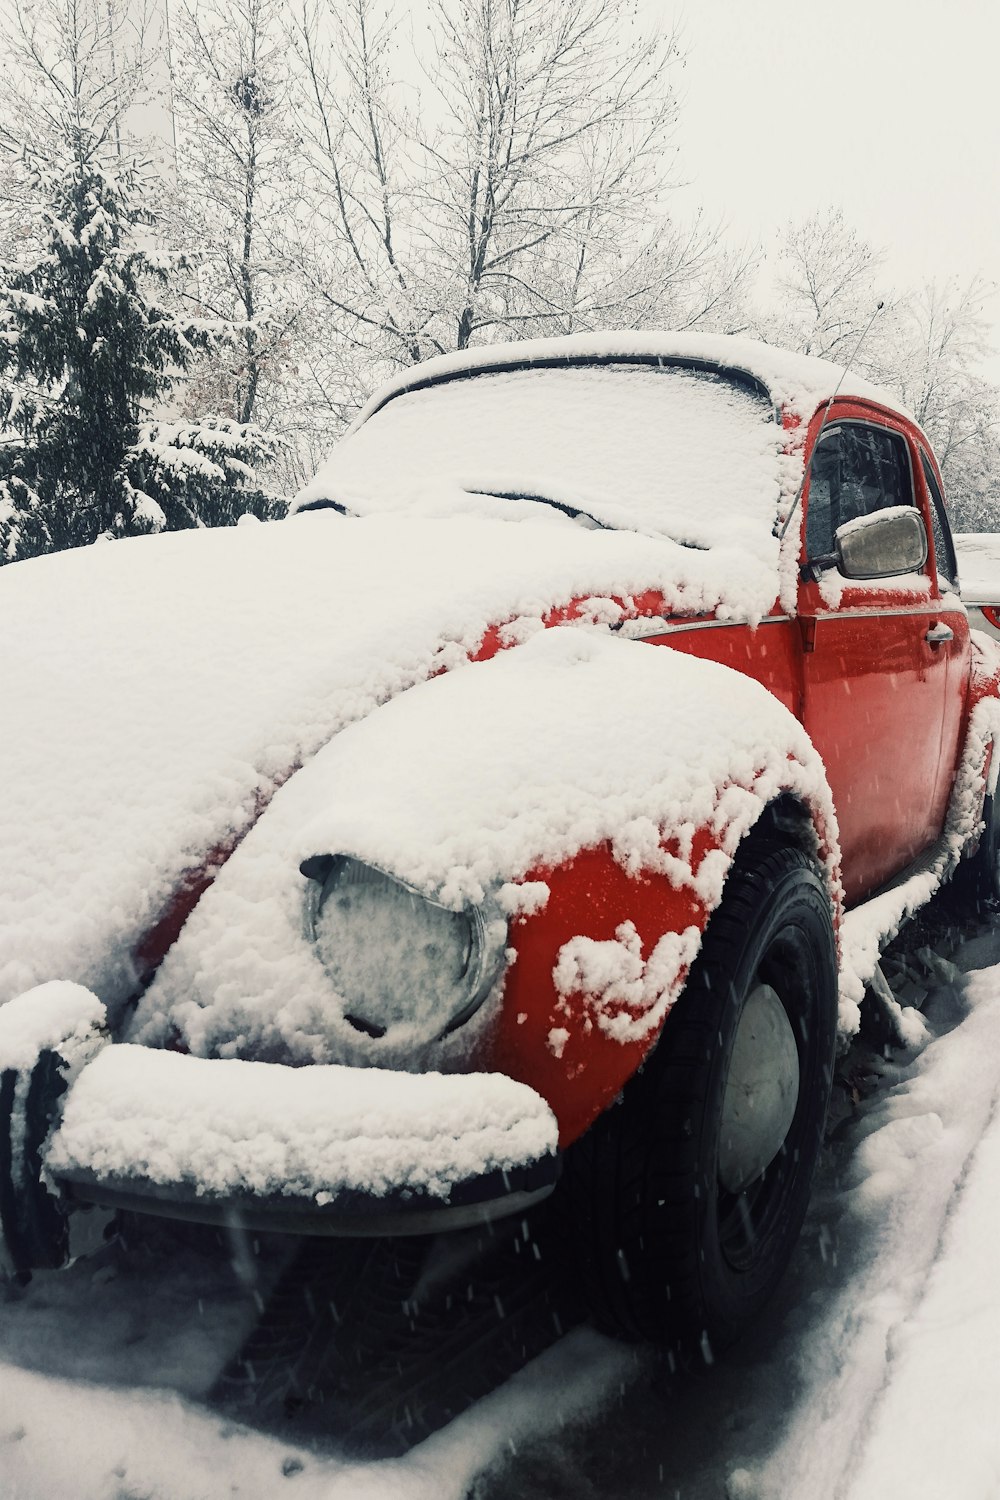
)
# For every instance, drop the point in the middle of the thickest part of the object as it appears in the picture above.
(399, 961)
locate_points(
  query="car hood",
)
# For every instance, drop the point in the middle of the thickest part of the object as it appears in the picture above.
(156, 691)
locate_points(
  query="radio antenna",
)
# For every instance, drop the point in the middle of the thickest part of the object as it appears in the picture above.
(826, 412)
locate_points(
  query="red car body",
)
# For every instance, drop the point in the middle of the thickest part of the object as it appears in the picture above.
(872, 659)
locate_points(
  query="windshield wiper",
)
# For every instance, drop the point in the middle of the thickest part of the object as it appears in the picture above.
(326, 504)
(573, 511)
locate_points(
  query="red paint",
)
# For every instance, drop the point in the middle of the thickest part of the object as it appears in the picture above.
(883, 705)
(769, 653)
(591, 894)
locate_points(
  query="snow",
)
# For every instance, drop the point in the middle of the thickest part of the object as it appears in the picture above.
(866, 929)
(904, 588)
(873, 1375)
(955, 1448)
(163, 687)
(797, 383)
(58, 1016)
(627, 996)
(665, 452)
(224, 1128)
(979, 566)
(116, 1442)
(166, 705)
(897, 1382)
(513, 764)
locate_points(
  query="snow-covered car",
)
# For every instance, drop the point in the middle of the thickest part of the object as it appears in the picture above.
(979, 570)
(526, 806)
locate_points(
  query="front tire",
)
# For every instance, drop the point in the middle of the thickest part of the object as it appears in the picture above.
(687, 1197)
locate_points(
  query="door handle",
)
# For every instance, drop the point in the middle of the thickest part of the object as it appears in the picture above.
(938, 634)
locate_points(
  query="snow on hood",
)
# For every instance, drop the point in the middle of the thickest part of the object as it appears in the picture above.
(469, 782)
(155, 691)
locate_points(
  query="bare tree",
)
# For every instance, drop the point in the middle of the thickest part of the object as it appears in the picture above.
(928, 346)
(232, 191)
(72, 71)
(75, 68)
(940, 341)
(829, 281)
(93, 344)
(522, 192)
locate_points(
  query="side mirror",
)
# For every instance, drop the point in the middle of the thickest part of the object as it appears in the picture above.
(883, 544)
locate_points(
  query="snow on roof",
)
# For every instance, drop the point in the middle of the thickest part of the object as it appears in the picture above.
(155, 690)
(979, 566)
(796, 382)
(470, 781)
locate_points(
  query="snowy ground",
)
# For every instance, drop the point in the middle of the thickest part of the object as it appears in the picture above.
(876, 1374)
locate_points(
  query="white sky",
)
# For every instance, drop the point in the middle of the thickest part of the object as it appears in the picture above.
(889, 109)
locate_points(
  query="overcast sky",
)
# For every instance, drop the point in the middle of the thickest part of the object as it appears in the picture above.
(889, 109)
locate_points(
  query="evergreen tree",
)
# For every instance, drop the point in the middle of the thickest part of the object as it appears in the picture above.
(200, 473)
(87, 350)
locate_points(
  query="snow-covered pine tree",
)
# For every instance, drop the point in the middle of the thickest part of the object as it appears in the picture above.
(87, 351)
(200, 473)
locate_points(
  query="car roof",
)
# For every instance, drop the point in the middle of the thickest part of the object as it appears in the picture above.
(796, 383)
(979, 565)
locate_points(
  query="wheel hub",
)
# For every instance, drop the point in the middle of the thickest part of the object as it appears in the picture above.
(761, 1091)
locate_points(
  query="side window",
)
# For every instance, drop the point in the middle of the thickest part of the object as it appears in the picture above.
(855, 470)
(944, 547)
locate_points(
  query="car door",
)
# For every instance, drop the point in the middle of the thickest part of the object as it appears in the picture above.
(875, 655)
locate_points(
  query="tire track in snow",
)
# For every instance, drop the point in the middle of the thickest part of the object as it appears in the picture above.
(905, 1186)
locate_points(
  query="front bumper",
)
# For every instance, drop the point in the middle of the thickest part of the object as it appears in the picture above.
(312, 1150)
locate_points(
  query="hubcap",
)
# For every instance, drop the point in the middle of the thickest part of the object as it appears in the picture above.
(761, 1092)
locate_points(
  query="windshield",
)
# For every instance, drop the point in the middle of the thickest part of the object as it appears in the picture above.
(667, 451)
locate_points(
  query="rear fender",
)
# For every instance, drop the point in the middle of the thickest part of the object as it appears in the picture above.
(980, 763)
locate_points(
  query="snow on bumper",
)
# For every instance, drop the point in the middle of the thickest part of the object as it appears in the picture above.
(347, 1150)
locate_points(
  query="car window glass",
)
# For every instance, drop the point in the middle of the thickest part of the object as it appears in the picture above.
(855, 470)
(944, 548)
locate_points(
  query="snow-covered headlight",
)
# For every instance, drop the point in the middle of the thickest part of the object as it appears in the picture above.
(402, 964)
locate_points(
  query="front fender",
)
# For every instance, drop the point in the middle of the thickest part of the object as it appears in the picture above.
(592, 978)
(585, 781)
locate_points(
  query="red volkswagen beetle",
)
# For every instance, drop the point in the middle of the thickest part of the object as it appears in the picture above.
(525, 813)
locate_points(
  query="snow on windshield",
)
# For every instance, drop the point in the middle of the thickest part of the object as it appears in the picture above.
(665, 451)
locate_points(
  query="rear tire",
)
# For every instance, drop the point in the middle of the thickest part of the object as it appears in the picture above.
(978, 877)
(666, 1251)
